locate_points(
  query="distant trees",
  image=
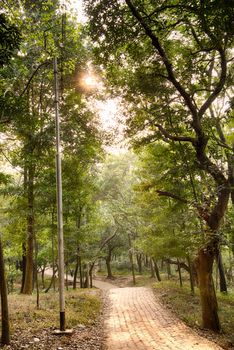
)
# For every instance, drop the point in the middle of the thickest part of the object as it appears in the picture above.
(172, 61)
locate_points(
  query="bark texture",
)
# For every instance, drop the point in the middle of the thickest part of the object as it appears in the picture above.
(4, 302)
(205, 261)
(28, 281)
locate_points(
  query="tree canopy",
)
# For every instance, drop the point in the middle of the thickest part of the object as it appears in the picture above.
(170, 197)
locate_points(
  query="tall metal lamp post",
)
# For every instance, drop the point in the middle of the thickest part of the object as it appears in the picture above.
(59, 206)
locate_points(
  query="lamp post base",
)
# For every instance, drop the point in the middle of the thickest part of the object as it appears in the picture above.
(65, 332)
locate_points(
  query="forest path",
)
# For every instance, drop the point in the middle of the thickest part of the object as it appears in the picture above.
(136, 320)
(103, 285)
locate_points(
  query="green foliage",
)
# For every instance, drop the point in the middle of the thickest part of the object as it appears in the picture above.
(169, 228)
(172, 62)
(10, 38)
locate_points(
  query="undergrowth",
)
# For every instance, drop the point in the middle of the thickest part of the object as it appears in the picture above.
(82, 308)
(187, 307)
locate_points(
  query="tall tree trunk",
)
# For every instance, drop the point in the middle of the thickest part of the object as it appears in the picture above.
(91, 274)
(157, 270)
(80, 272)
(28, 282)
(168, 270)
(4, 301)
(205, 261)
(43, 277)
(67, 277)
(23, 266)
(87, 281)
(36, 273)
(222, 277)
(191, 275)
(75, 272)
(139, 262)
(179, 271)
(131, 260)
(146, 261)
(78, 262)
(108, 265)
(152, 269)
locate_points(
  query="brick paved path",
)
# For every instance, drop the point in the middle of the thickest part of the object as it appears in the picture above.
(137, 321)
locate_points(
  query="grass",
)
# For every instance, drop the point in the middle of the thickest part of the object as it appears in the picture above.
(82, 307)
(187, 307)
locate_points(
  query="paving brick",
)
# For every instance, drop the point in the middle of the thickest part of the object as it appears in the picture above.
(138, 321)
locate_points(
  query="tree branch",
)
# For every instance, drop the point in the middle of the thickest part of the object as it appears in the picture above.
(108, 239)
(163, 55)
(171, 7)
(218, 87)
(171, 195)
(174, 137)
(175, 262)
(32, 76)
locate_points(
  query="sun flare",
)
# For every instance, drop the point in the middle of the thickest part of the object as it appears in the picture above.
(90, 81)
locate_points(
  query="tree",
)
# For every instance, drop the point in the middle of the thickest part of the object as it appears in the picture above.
(9, 42)
(168, 229)
(172, 60)
(32, 124)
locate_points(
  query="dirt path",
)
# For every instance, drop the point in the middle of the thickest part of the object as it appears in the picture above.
(138, 321)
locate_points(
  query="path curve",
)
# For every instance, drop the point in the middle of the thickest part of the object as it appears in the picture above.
(103, 285)
(136, 320)
(96, 283)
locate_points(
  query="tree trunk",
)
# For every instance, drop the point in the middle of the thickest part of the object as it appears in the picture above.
(28, 282)
(131, 260)
(139, 263)
(179, 271)
(205, 261)
(222, 277)
(168, 270)
(67, 278)
(209, 304)
(91, 274)
(75, 272)
(157, 270)
(23, 266)
(51, 281)
(4, 301)
(80, 272)
(108, 266)
(43, 277)
(87, 282)
(146, 261)
(36, 274)
(152, 269)
(191, 276)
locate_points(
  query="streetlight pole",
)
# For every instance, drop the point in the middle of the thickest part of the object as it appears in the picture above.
(59, 201)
